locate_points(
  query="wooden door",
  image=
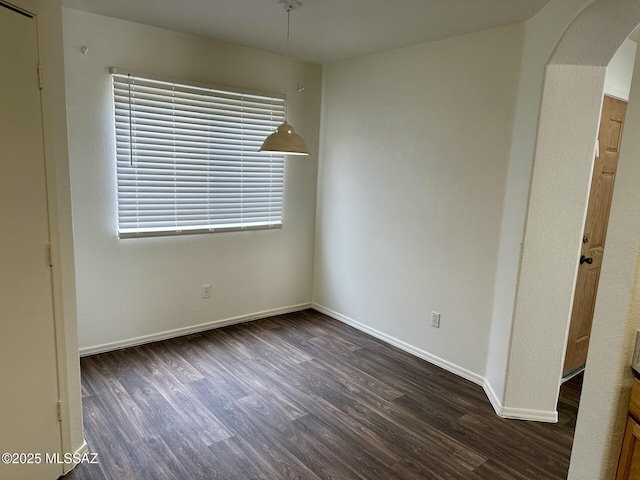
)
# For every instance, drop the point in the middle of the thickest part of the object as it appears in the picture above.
(28, 372)
(595, 232)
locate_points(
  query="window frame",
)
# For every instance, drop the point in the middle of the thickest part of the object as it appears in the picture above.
(276, 169)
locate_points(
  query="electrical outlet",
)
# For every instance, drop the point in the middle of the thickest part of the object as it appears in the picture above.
(435, 319)
(206, 291)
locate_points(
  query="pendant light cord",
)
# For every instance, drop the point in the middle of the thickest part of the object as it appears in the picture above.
(286, 80)
(130, 123)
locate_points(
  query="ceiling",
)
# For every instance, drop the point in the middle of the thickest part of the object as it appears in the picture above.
(322, 31)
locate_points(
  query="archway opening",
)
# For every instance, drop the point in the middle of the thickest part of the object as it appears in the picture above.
(568, 124)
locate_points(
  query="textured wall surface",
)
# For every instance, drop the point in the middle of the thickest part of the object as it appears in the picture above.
(412, 176)
(608, 378)
(542, 33)
(131, 290)
(558, 198)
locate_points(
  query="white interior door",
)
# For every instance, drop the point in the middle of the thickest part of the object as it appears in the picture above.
(28, 371)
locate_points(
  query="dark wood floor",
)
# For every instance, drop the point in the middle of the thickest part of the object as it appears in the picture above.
(302, 396)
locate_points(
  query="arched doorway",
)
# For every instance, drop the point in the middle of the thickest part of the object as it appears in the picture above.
(568, 123)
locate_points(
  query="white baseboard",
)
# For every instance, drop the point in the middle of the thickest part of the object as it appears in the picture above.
(84, 448)
(493, 397)
(505, 412)
(501, 411)
(178, 332)
(450, 367)
(517, 413)
(532, 415)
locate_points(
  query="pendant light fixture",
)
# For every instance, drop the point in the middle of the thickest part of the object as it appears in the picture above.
(285, 139)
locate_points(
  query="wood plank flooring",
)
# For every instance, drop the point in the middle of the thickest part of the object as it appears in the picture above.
(302, 396)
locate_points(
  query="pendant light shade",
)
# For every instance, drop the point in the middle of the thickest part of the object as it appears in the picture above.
(285, 139)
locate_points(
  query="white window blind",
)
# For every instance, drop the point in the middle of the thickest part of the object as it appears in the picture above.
(188, 160)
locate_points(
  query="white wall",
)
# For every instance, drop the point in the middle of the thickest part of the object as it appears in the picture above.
(563, 163)
(555, 222)
(608, 378)
(411, 186)
(620, 70)
(136, 289)
(542, 33)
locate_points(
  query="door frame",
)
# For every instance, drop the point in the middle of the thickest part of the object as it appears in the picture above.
(41, 10)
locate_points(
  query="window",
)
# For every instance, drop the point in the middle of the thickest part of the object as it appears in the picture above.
(188, 160)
